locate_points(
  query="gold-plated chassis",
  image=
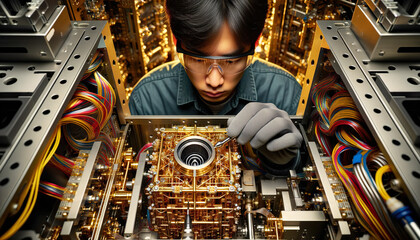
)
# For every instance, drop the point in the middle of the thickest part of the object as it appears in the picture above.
(213, 196)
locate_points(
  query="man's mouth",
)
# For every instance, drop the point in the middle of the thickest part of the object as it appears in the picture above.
(213, 94)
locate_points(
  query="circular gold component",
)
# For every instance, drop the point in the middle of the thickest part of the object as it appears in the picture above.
(194, 153)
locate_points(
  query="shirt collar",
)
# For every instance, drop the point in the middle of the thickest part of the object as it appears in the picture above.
(186, 91)
(246, 89)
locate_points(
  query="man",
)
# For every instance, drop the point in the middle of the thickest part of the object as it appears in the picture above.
(217, 74)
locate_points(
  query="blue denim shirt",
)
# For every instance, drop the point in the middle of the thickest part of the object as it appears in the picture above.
(167, 90)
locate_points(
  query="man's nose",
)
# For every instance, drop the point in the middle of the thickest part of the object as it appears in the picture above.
(214, 78)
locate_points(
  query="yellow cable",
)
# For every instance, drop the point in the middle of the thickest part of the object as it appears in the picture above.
(34, 187)
(379, 184)
(54, 196)
(376, 228)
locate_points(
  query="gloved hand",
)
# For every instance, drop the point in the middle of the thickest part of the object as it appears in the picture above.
(268, 129)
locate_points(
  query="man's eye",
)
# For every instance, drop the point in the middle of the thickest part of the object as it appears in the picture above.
(198, 60)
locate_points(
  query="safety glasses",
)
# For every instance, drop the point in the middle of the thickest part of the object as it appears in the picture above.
(227, 65)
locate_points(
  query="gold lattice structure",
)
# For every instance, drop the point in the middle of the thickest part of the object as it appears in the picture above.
(189, 173)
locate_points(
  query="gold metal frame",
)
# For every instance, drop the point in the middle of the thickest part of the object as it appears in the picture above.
(319, 44)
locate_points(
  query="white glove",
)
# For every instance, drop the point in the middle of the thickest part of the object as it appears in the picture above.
(268, 129)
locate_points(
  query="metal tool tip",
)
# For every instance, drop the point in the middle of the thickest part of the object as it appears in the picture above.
(220, 143)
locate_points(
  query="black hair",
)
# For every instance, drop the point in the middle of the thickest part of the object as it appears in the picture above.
(196, 22)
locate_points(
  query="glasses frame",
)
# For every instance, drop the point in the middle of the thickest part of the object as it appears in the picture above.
(179, 49)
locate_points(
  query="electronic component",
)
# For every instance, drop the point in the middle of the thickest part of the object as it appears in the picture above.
(76, 168)
(189, 173)
(139, 29)
(289, 31)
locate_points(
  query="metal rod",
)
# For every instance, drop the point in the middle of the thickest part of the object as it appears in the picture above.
(250, 219)
(250, 226)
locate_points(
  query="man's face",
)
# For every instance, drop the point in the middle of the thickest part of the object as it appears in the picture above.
(215, 87)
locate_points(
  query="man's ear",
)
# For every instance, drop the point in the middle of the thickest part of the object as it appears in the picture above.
(174, 39)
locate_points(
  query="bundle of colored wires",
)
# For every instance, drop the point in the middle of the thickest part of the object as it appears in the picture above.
(86, 115)
(251, 162)
(322, 102)
(51, 189)
(363, 175)
(62, 163)
(103, 157)
(94, 64)
(323, 140)
(346, 122)
(398, 210)
(111, 128)
(340, 122)
(322, 99)
(88, 111)
(107, 143)
(30, 193)
(107, 148)
(366, 213)
(338, 115)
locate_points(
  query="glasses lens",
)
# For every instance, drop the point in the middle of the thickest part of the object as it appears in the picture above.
(203, 66)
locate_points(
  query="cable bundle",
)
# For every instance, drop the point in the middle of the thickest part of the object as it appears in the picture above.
(338, 115)
(89, 110)
(97, 59)
(364, 163)
(252, 161)
(396, 207)
(30, 193)
(371, 211)
(51, 189)
(354, 157)
(62, 163)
